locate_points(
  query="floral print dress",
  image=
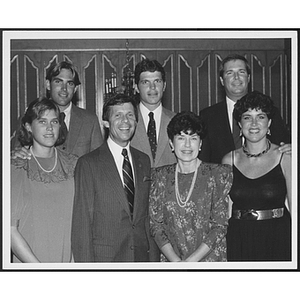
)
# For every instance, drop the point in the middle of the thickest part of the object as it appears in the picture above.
(204, 218)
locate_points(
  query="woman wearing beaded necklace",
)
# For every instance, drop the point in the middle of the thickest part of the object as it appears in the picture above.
(260, 225)
(188, 200)
(42, 189)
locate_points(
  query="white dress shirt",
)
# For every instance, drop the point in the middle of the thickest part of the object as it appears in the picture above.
(156, 114)
(116, 151)
(230, 107)
(67, 112)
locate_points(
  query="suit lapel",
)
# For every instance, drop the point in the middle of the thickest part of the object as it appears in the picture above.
(142, 137)
(224, 121)
(138, 171)
(163, 138)
(75, 123)
(113, 177)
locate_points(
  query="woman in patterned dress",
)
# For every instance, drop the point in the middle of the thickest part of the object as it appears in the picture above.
(188, 200)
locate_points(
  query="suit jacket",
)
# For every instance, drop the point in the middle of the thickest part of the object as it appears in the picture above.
(102, 227)
(84, 132)
(219, 139)
(164, 155)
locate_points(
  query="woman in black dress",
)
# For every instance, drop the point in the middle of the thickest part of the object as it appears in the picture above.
(260, 224)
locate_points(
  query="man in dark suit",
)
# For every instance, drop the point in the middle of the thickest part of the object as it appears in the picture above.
(84, 133)
(110, 214)
(235, 77)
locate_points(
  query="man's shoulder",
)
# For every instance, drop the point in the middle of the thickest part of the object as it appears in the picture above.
(140, 154)
(83, 112)
(212, 109)
(168, 112)
(95, 154)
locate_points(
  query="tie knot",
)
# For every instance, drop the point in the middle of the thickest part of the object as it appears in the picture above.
(62, 116)
(124, 153)
(151, 115)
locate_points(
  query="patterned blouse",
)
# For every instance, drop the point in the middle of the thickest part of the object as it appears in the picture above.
(204, 219)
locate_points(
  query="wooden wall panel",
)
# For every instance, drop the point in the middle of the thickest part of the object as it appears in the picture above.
(192, 69)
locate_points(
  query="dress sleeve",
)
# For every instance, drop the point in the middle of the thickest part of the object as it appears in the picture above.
(157, 196)
(17, 195)
(222, 177)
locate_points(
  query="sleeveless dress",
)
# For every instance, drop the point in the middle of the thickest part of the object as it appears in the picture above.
(259, 240)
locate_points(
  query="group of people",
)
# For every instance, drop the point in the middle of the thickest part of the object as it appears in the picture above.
(160, 186)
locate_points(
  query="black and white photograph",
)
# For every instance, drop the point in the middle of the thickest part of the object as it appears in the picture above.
(150, 150)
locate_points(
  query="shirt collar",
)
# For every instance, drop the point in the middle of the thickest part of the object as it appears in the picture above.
(116, 149)
(67, 111)
(145, 114)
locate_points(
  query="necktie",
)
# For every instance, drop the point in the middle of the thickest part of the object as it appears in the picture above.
(64, 128)
(151, 132)
(236, 134)
(128, 180)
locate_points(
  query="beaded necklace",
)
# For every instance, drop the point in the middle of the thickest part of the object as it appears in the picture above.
(47, 171)
(182, 203)
(258, 154)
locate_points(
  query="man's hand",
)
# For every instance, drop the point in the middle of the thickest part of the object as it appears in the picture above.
(21, 153)
(285, 148)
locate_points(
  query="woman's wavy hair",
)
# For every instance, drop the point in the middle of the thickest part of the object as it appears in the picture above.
(36, 110)
(253, 100)
(187, 122)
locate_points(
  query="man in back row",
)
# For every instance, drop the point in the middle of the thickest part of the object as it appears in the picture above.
(221, 135)
(151, 132)
(83, 128)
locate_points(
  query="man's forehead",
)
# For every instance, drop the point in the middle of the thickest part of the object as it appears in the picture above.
(123, 106)
(65, 74)
(150, 75)
(237, 63)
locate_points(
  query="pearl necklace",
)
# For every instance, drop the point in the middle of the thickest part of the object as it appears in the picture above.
(258, 154)
(40, 164)
(182, 203)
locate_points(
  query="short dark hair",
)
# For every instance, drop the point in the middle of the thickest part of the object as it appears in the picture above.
(35, 110)
(253, 100)
(118, 99)
(233, 57)
(150, 66)
(56, 69)
(187, 122)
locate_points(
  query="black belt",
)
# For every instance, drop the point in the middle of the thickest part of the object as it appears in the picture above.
(252, 214)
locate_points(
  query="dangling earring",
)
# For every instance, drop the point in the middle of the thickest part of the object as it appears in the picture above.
(269, 131)
(241, 133)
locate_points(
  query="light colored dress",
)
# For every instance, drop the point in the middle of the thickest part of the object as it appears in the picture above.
(42, 203)
(203, 219)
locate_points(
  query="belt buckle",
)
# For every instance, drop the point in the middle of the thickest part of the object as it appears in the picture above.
(249, 214)
(276, 213)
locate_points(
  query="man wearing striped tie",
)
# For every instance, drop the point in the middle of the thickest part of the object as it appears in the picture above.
(110, 216)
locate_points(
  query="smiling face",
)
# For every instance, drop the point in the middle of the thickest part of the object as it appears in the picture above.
(62, 88)
(151, 88)
(186, 146)
(235, 79)
(45, 130)
(254, 124)
(121, 124)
